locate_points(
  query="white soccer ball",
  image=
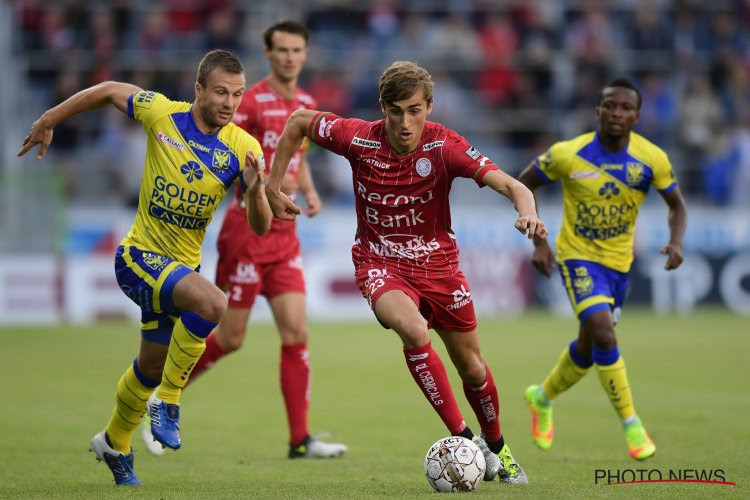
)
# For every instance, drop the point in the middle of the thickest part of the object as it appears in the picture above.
(454, 464)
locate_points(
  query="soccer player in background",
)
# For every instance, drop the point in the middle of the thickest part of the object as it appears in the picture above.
(194, 153)
(405, 254)
(270, 264)
(605, 176)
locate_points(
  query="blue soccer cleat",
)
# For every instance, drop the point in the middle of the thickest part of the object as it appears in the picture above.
(165, 422)
(120, 464)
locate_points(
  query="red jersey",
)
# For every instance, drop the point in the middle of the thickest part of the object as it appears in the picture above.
(403, 212)
(263, 114)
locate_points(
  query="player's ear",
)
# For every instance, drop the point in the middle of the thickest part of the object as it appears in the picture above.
(429, 107)
(197, 90)
(382, 106)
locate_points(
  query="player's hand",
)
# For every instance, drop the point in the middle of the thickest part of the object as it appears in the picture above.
(281, 206)
(40, 133)
(673, 251)
(531, 225)
(254, 173)
(543, 258)
(313, 203)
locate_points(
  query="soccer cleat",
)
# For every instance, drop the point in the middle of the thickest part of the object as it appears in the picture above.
(542, 428)
(510, 471)
(165, 422)
(152, 445)
(640, 445)
(492, 461)
(315, 448)
(120, 464)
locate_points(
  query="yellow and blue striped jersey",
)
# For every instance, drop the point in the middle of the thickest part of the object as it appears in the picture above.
(602, 192)
(185, 175)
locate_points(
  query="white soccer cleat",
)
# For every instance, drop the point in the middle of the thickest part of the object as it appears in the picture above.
(315, 448)
(492, 461)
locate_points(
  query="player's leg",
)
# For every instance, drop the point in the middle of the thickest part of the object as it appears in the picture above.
(398, 311)
(203, 305)
(614, 379)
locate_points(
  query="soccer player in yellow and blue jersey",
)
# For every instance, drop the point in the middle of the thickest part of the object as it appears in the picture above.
(194, 153)
(605, 177)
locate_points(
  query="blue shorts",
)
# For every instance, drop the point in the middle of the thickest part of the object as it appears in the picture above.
(592, 287)
(148, 279)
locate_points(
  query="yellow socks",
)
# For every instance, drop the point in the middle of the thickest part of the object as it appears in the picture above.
(133, 390)
(570, 368)
(614, 379)
(185, 349)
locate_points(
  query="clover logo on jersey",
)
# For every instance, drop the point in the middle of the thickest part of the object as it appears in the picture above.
(220, 162)
(609, 190)
(192, 170)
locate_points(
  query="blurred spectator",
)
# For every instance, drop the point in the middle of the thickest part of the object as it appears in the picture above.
(498, 77)
(591, 43)
(658, 109)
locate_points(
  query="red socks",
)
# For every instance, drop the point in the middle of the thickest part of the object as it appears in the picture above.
(295, 386)
(486, 405)
(429, 373)
(210, 356)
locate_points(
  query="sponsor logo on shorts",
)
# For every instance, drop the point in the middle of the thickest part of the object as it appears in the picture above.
(424, 167)
(245, 274)
(583, 283)
(296, 262)
(461, 297)
(358, 141)
(172, 143)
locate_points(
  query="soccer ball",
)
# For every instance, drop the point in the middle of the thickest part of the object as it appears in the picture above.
(454, 464)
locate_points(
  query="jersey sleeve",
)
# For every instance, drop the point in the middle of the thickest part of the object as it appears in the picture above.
(664, 178)
(333, 132)
(464, 160)
(147, 106)
(550, 165)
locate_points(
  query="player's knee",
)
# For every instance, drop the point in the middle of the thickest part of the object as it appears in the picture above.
(214, 307)
(233, 341)
(291, 335)
(413, 334)
(603, 338)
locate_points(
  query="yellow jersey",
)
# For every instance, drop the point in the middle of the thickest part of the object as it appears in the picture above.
(186, 174)
(602, 192)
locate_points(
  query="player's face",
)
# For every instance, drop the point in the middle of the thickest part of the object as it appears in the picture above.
(618, 111)
(404, 121)
(219, 99)
(287, 55)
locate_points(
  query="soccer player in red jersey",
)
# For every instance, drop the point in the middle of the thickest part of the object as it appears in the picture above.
(271, 264)
(405, 254)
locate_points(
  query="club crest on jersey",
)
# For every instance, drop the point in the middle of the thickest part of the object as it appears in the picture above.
(220, 162)
(154, 261)
(634, 173)
(424, 167)
(192, 170)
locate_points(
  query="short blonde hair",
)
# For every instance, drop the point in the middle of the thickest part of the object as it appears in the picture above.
(402, 79)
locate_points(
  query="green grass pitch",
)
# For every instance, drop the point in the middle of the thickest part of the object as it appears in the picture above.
(689, 375)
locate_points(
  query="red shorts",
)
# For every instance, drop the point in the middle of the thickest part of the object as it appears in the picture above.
(445, 303)
(242, 278)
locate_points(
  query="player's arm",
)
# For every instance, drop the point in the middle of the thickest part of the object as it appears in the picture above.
(677, 220)
(115, 93)
(289, 142)
(256, 204)
(543, 258)
(307, 187)
(523, 201)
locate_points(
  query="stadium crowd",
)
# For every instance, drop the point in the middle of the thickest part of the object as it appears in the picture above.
(513, 76)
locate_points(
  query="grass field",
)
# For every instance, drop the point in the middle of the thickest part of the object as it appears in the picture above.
(689, 375)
